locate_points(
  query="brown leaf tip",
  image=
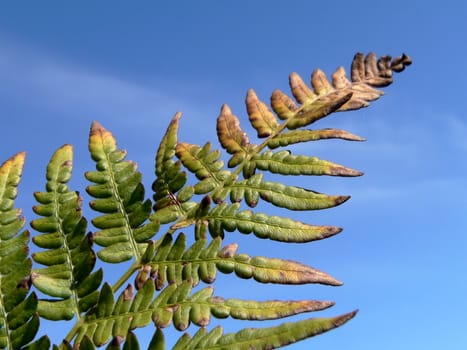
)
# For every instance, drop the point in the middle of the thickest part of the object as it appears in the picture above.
(97, 128)
(225, 110)
(340, 320)
(177, 116)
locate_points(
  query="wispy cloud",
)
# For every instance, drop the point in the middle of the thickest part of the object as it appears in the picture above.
(74, 91)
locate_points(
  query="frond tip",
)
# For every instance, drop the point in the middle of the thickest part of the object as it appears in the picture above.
(67, 247)
(19, 321)
(119, 196)
(261, 338)
(324, 97)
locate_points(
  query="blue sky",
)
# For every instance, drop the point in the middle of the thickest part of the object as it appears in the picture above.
(132, 66)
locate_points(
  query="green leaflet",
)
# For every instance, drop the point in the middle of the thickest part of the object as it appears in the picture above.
(289, 197)
(68, 254)
(265, 310)
(298, 136)
(18, 319)
(131, 342)
(285, 163)
(170, 179)
(57, 310)
(261, 338)
(229, 218)
(157, 341)
(119, 195)
(172, 262)
(40, 344)
(270, 270)
(166, 149)
(204, 163)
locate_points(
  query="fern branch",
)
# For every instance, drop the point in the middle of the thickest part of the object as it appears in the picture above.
(229, 218)
(19, 321)
(119, 196)
(297, 136)
(257, 338)
(289, 197)
(175, 305)
(69, 258)
(172, 262)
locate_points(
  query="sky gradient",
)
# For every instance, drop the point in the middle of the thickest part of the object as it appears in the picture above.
(402, 255)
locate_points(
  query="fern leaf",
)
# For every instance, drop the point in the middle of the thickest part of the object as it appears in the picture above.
(172, 262)
(40, 344)
(261, 338)
(231, 136)
(283, 105)
(166, 149)
(205, 164)
(285, 163)
(131, 342)
(261, 118)
(175, 305)
(297, 136)
(170, 179)
(270, 270)
(119, 195)
(342, 94)
(266, 310)
(229, 218)
(69, 258)
(157, 341)
(368, 73)
(18, 318)
(280, 195)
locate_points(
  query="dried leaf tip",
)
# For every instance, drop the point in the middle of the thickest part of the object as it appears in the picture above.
(177, 116)
(400, 62)
(377, 72)
(225, 110)
(96, 128)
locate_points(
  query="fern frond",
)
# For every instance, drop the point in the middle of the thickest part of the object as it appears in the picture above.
(285, 163)
(261, 117)
(172, 262)
(229, 218)
(205, 164)
(270, 270)
(170, 179)
(280, 195)
(175, 304)
(296, 136)
(69, 258)
(119, 196)
(19, 321)
(261, 338)
(325, 97)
